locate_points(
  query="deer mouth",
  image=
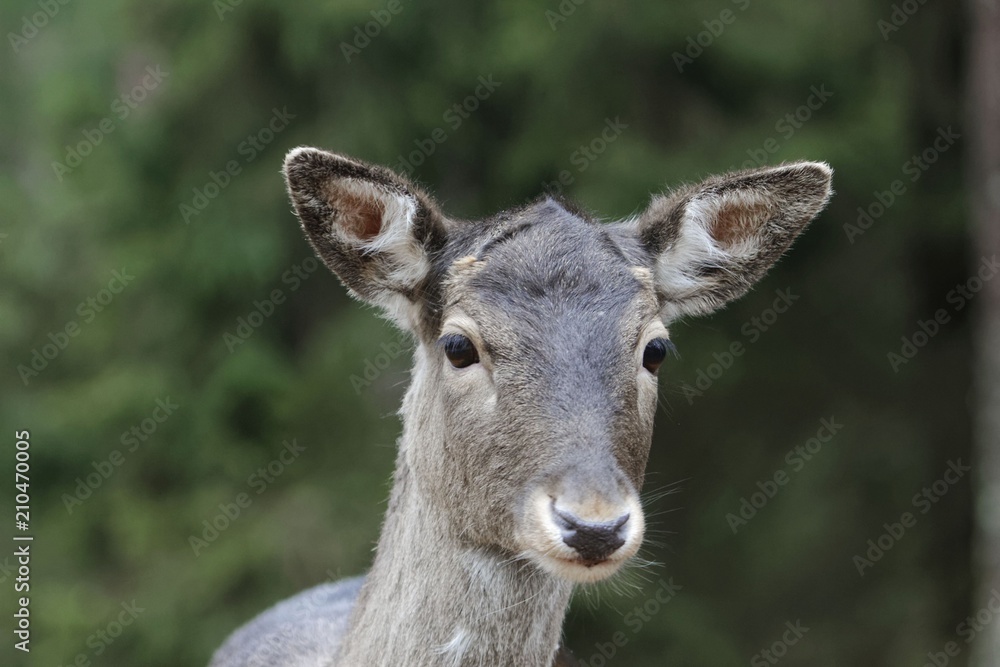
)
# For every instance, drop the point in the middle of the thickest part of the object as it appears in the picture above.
(580, 570)
(586, 562)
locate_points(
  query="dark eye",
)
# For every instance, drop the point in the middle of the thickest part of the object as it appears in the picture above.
(459, 350)
(655, 353)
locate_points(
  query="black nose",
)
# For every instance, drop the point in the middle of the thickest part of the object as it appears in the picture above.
(593, 541)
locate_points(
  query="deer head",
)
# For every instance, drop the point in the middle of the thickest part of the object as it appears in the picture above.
(539, 333)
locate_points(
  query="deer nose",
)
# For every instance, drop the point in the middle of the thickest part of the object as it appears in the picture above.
(594, 541)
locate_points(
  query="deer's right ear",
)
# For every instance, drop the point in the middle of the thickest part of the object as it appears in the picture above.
(708, 244)
(371, 227)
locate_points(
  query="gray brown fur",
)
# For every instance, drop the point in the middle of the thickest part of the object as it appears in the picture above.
(559, 307)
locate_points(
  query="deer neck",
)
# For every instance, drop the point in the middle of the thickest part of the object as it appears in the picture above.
(430, 600)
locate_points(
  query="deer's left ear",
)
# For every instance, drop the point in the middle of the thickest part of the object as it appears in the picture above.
(370, 226)
(708, 244)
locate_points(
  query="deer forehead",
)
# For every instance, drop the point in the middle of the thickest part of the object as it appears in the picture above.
(546, 269)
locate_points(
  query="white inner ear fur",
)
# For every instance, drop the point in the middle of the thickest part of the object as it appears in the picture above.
(408, 263)
(695, 247)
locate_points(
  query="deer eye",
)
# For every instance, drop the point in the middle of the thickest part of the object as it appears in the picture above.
(655, 353)
(459, 350)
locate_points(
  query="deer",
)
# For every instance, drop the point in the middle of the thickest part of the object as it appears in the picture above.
(538, 336)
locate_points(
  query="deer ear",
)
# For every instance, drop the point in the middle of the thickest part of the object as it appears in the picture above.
(371, 227)
(708, 244)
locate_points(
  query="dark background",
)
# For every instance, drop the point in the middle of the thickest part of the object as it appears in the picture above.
(301, 373)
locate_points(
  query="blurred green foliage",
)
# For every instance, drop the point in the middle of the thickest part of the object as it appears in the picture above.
(164, 335)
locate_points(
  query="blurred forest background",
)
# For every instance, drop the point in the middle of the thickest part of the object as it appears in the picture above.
(146, 138)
